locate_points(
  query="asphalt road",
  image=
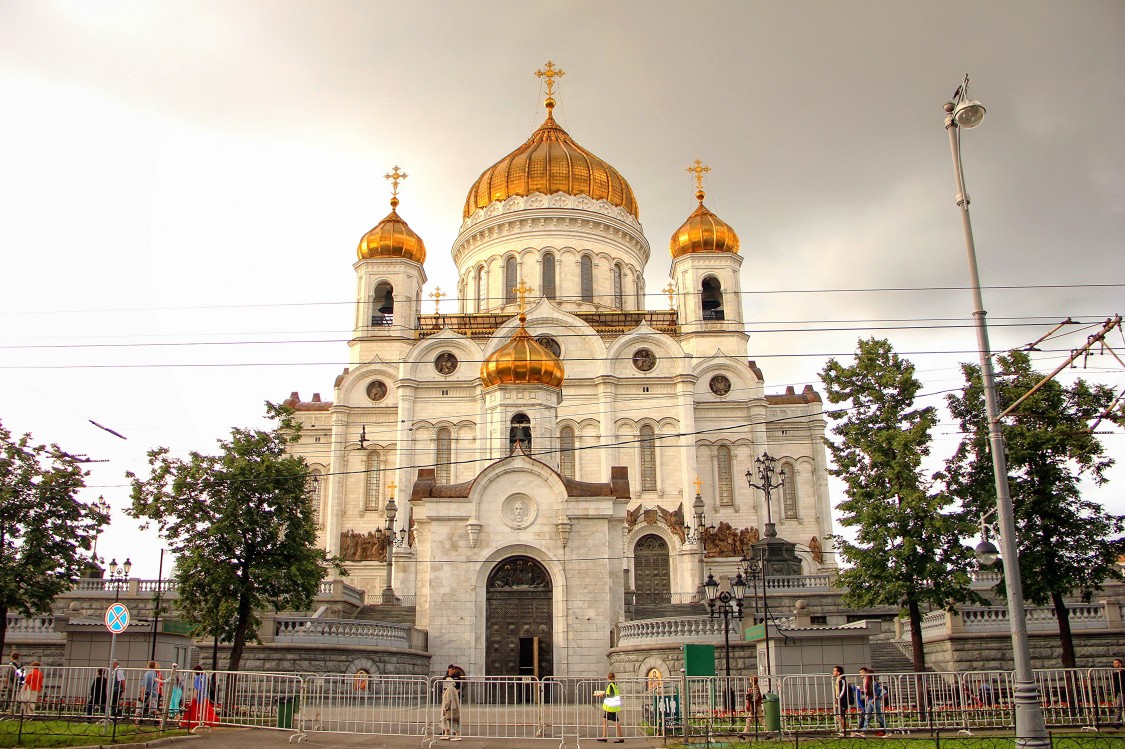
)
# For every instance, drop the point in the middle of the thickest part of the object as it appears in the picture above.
(257, 738)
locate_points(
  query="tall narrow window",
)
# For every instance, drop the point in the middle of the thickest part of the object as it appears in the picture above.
(374, 483)
(510, 280)
(316, 493)
(726, 485)
(549, 275)
(648, 459)
(789, 492)
(566, 452)
(383, 304)
(443, 458)
(482, 292)
(711, 295)
(618, 295)
(640, 297)
(587, 266)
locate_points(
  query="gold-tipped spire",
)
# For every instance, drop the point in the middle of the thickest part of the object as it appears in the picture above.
(521, 291)
(670, 290)
(437, 295)
(550, 73)
(699, 169)
(395, 176)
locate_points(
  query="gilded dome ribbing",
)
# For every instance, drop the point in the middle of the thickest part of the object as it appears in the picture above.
(522, 361)
(703, 232)
(392, 237)
(549, 162)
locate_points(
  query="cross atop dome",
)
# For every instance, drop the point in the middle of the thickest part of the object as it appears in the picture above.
(395, 176)
(699, 169)
(550, 73)
(521, 291)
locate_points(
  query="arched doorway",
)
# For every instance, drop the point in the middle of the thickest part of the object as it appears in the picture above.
(652, 577)
(519, 619)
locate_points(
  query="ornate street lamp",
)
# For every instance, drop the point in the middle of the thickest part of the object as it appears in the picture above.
(1031, 730)
(727, 604)
(391, 512)
(118, 573)
(766, 466)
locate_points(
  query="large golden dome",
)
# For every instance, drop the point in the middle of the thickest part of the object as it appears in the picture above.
(703, 232)
(392, 237)
(547, 163)
(522, 361)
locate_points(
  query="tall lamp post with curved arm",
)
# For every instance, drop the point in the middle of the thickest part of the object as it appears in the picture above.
(1031, 730)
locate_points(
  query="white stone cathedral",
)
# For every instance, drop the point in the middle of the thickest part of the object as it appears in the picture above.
(545, 448)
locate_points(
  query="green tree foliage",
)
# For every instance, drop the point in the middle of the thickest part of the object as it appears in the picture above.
(908, 548)
(44, 529)
(241, 526)
(1066, 543)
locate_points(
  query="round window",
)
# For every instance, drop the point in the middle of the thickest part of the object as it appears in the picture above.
(644, 360)
(376, 390)
(720, 384)
(445, 363)
(550, 344)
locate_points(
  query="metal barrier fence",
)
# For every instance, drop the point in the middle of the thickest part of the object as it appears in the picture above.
(133, 701)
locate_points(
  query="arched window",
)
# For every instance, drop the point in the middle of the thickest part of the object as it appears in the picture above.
(443, 457)
(587, 273)
(712, 299)
(726, 484)
(315, 493)
(618, 294)
(566, 452)
(639, 293)
(520, 432)
(510, 280)
(789, 492)
(374, 483)
(383, 304)
(648, 459)
(482, 292)
(548, 275)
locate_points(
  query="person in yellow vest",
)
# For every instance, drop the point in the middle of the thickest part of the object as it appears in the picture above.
(611, 706)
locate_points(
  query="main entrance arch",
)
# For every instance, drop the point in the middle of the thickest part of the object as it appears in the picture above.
(653, 581)
(519, 619)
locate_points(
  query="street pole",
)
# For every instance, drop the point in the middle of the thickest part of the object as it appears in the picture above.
(1031, 730)
(156, 611)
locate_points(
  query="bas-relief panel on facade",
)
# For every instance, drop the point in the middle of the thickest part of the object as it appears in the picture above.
(725, 540)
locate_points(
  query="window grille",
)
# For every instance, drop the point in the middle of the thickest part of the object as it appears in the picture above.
(549, 275)
(618, 295)
(726, 485)
(587, 278)
(566, 452)
(444, 457)
(374, 481)
(316, 492)
(648, 459)
(510, 280)
(482, 292)
(789, 492)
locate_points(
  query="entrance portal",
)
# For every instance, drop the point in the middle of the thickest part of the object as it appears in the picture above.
(519, 619)
(652, 578)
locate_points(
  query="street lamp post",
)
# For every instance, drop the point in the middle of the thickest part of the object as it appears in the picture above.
(1031, 730)
(754, 568)
(118, 573)
(102, 508)
(727, 604)
(393, 541)
(767, 469)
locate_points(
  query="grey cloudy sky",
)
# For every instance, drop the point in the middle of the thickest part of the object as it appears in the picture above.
(197, 175)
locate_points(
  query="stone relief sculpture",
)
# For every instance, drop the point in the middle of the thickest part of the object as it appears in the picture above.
(673, 520)
(727, 541)
(817, 551)
(363, 547)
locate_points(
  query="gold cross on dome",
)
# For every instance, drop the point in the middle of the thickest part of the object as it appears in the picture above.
(698, 169)
(437, 296)
(551, 73)
(522, 291)
(395, 176)
(392, 486)
(670, 290)
(698, 484)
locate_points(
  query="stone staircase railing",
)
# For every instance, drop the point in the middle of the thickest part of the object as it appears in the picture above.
(305, 630)
(675, 630)
(136, 587)
(988, 619)
(32, 628)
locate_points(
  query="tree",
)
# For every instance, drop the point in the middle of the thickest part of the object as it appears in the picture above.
(1066, 543)
(241, 526)
(43, 527)
(908, 547)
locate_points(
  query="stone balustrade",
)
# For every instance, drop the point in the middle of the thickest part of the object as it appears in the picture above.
(799, 583)
(32, 628)
(993, 619)
(675, 630)
(136, 587)
(306, 630)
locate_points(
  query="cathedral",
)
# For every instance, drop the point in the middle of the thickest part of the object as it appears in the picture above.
(527, 469)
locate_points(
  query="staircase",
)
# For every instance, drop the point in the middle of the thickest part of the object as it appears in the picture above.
(668, 610)
(891, 657)
(387, 614)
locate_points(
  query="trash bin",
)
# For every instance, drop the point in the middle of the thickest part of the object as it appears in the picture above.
(771, 704)
(286, 707)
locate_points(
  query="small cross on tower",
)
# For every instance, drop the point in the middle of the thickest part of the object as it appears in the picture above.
(395, 176)
(437, 296)
(521, 291)
(698, 484)
(699, 169)
(392, 486)
(670, 290)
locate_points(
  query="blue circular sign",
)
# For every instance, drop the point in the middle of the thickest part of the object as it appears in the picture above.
(117, 618)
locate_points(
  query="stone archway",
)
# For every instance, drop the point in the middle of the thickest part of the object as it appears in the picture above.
(652, 575)
(519, 619)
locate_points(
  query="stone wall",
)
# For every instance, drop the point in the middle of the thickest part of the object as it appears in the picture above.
(993, 652)
(636, 662)
(324, 659)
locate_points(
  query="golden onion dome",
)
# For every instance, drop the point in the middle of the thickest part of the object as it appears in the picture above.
(522, 361)
(549, 162)
(392, 237)
(703, 232)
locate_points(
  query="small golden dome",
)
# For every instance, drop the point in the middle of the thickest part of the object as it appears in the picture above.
(547, 163)
(392, 237)
(703, 232)
(522, 361)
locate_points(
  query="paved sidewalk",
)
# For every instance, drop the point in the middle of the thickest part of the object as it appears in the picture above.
(258, 738)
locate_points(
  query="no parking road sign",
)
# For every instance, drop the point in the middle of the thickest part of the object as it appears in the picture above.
(117, 618)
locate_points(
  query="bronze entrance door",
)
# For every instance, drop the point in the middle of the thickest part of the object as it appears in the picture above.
(519, 619)
(652, 577)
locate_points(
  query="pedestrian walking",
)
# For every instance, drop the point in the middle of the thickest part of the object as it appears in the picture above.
(871, 700)
(753, 705)
(611, 708)
(150, 684)
(99, 690)
(117, 683)
(451, 703)
(1117, 681)
(13, 680)
(32, 688)
(842, 694)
